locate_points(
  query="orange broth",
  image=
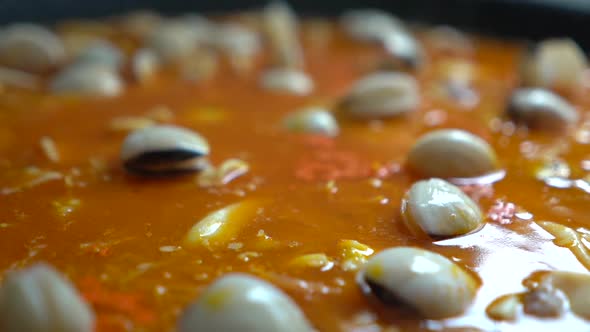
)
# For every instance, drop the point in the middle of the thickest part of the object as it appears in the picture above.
(119, 237)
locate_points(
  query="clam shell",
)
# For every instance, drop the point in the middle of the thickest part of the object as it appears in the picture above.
(176, 39)
(163, 150)
(287, 80)
(239, 302)
(425, 281)
(102, 52)
(281, 29)
(87, 79)
(554, 63)
(313, 120)
(38, 299)
(541, 109)
(451, 153)
(371, 25)
(404, 47)
(235, 39)
(30, 47)
(439, 208)
(144, 64)
(382, 95)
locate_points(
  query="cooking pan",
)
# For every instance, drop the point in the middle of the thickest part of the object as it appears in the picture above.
(532, 19)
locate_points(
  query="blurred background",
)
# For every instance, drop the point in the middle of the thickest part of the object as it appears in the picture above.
(533, 19)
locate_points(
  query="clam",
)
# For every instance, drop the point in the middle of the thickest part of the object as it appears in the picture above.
(176, 39)
(554, 63)
(422, 280)
(382, 95)
(239, 302)
(287, 80)
(451, 153)
(102, 52)
(446, 39)
(370, 24)
(38, 299)
(403, 47)
(439, 209)
(89, 79)
(30, 47)
(164, 150)
(235, 39)
(144, 64)
(198, 24)
(541, 109)
(281, 29)
(313, 120)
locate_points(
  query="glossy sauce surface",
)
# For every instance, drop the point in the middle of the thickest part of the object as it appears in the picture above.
(120, 237)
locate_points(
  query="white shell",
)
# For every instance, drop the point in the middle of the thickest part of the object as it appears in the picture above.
(287, 80)
(164, 149)
(541, 109)
(102, 52)
(555, 63)
(281, 30)
(88, 79)
(451, 153)
(235, 39)
(30, 47)
(438, 208)
(370, 24)
(312, 120)
(38, 299)
(446, 39)
(382, 95)
(404, 47)
(144, 64)
(428, 282)
(239, 302)
(177, 39)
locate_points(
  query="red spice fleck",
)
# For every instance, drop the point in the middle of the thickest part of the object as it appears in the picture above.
(101, 249)
(115, 308)
(502, 212)
(478, 191)
(326, 165)
(325, 162)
